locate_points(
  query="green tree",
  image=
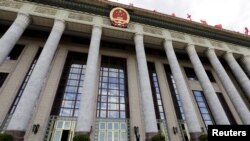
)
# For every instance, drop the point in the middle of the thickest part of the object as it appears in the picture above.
(81, 137)
(6, 137)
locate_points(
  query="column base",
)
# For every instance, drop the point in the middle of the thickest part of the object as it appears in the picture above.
(18, 135)
(150, 135)
(195, 136)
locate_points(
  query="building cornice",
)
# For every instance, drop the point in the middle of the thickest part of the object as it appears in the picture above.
(147, 17)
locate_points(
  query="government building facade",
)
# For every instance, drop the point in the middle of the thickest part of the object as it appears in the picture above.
(116, 73)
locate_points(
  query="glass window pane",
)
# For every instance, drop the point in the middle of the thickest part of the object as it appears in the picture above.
(102, 126)
(123, 126)
(113, 106)
(123, 137)
(57, 136)
(122, 107)
(104, 98)
(103, 105)
(113, 114)
(201, 104)
(116, 136)
(116, 125)
(59, 124)
(206, 116)
(109, 137)
(204, 110)
(102, 136)
(123, 114)
(103, 114)
(199, 99)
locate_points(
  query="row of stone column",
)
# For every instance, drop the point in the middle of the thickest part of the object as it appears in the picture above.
(31, 93)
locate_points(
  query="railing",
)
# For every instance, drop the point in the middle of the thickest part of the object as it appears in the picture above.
(184, 130)
(56, 127)
(162, 125)
(112, 130)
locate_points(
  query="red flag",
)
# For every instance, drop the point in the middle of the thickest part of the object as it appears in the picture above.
(173, 14)
(246, 31)
(204, 22)
(189, 17)
(218, 26)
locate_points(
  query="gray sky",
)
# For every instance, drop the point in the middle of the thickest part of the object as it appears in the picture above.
(232, 14)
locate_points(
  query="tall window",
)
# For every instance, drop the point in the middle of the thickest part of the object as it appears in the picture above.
(210, 76)
(3, 76)
(112, 99)
(203, 108)
(26, 79)
(159, 110)
(177, 103)
(67, 100)
(190, 73)
(15, 52)
(175, 95)
(226, 109)
(112, 103)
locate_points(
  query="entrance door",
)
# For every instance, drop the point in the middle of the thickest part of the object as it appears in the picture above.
(63, 130)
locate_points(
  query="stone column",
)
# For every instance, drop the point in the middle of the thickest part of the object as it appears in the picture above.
(145, 88)
(27, 103)
(136, 117)
(12, 35)
(183, 90)
(229, 86)
(210, 94)
(246, 61)
(238, 73)
(88, 98)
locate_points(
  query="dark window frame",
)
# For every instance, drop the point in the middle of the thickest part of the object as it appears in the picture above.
(156, 92)
(190, 73)
(226, 108)
(15, 52)
(174, 93)
(3, 76)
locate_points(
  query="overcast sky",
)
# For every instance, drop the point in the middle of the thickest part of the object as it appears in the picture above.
(232, 14)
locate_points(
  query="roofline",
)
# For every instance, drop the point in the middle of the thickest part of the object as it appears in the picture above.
(103, 7)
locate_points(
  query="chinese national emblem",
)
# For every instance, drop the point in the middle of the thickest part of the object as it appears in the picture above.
(119, 17)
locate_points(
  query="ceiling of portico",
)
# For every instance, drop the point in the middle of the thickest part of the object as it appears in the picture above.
(9, 16)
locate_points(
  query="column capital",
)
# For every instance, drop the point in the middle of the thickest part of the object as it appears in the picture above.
(97, 30)
(24, 14)
(190, 44)
(209, 51)
(23, 18)
(60, 20)
(210, 48)
(167, 43)
(168, 40)
(97, 27)
(190, 48)
(139, 34)
(229, 52)
(59, 25)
